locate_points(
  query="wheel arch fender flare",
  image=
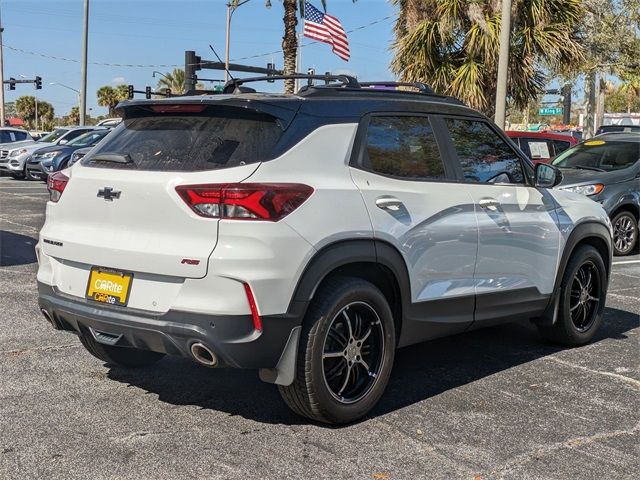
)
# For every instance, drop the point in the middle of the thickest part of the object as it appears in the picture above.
(327, 260)
(345, 252)
(592, 233)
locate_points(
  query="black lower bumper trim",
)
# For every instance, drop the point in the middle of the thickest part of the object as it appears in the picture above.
(231, 337)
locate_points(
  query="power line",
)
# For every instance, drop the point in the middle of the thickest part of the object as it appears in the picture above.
(139, 65)
(375, 22)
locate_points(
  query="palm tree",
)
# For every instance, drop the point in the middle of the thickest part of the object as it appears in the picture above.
(110, 97)
(173, 80)
(630, 88)
(453, 46)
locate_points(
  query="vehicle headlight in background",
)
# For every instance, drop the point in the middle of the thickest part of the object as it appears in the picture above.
(16, 153)
(50, 154)
(587, 190)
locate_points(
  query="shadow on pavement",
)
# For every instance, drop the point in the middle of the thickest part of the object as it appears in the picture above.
(16, 249)
(420, 372)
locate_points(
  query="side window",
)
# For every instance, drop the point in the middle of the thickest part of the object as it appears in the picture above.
(403, 146)
(21, 135)
(483, 155)
(536, 148)
(5, 137)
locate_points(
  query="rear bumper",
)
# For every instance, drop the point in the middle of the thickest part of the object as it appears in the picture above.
(231, 337)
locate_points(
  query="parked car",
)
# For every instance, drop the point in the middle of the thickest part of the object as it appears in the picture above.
(607, 170)
(542, 146)
(109, 122)
(12, 135)
(13, 156)
(618, 128)
(309, 235)
(78, 155)
(37, 134)
(57, 157)
(29, 156)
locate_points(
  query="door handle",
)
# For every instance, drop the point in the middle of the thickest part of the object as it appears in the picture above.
(489, 203)
(389, 203)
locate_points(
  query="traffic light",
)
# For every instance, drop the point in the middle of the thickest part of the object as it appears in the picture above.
(566, 104)
(192, 63)
(129, 92)
(38, 83)
(12, 83)
(147, 92)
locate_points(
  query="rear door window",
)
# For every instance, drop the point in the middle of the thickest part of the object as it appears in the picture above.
(536, 148)
(483, 156)
(403, 147)
(173, 142)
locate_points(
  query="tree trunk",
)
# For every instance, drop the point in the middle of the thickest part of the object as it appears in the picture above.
(290, 42)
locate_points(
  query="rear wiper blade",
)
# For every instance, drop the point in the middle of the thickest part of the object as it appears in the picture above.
(582, 167)
(112, 157)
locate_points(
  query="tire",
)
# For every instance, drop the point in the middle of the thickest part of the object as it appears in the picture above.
(625, 233)
(119, 356)
(18, 175)
(577, 324)
(29, 176)
(328, 361)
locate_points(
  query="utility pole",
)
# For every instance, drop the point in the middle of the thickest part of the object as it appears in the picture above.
(592, 80)
(226, 48)
(503, 64)
(83, 74)
(2, 117)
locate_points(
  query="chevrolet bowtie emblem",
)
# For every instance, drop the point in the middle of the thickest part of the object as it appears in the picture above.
(108, 194)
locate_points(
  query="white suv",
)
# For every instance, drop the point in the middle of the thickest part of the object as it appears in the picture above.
(309, 235)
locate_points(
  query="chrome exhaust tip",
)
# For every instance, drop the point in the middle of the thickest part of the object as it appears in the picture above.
(203, 355)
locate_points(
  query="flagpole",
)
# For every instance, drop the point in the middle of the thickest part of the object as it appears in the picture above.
(299, 59)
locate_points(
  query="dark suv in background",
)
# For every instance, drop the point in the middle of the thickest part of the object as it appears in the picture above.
(607, 170)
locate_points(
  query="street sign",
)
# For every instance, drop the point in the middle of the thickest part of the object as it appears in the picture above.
(550, 111)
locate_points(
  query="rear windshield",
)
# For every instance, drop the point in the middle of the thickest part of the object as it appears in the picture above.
(187, 143)
(600, 155)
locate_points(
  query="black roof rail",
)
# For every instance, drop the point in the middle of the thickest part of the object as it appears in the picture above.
(346, 80)
(421, 87)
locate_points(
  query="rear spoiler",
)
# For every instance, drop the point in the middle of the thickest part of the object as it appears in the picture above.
(283, 109)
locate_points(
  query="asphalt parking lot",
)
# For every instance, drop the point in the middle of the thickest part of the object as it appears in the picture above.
(497, 403)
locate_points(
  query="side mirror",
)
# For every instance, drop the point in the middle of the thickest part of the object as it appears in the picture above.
(547, 176)
(64, 141)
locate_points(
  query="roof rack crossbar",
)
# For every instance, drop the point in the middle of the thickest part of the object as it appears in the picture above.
(346, 80)
(421, 87)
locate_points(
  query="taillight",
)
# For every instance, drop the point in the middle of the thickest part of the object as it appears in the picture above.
(245, 201)
(56, 184)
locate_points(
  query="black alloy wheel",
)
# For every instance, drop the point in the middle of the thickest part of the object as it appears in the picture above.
(584, 298)
(581, 298)
(353, 352)
(345, 352)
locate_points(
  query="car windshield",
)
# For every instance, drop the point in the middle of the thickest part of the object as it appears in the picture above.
(88, 139)
(600, 155)
(53, 136)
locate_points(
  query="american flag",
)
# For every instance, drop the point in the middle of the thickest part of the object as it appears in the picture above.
(327, 29)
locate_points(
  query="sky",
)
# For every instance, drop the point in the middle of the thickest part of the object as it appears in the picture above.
(155, 34)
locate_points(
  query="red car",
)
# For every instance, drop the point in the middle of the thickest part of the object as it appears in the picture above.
(541, 147)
